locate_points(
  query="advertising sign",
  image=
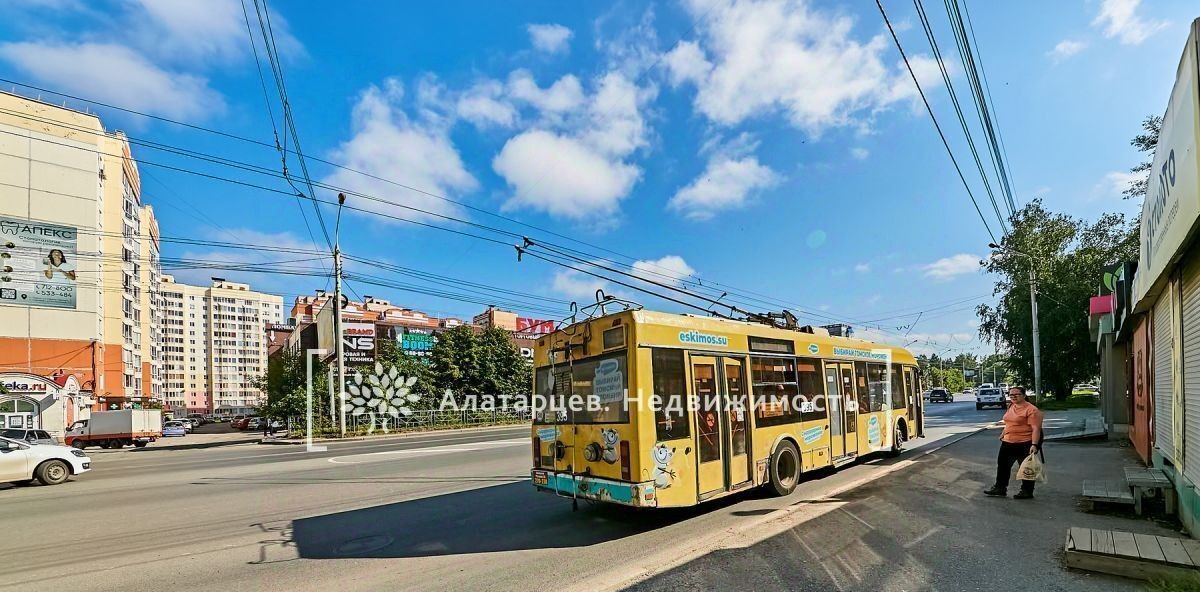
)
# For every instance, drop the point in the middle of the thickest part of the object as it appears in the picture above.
(358, 343)
(38, 263)
(417, 342)
(1172, 203)
(534, 326)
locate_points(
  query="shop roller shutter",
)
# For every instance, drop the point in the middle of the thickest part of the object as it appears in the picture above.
(1164, 408)
(1191, 368)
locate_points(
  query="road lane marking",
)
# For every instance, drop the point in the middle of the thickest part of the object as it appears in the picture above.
(384, 455)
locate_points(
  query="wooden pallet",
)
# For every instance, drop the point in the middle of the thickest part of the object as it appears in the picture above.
(1109, 492)
(1145, 480)
(1138, 556)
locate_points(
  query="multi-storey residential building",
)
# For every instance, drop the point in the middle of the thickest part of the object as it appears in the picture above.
(414, 330)
(78, 249)
(215, 346)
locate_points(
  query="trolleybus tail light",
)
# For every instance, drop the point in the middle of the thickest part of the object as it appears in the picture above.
(626, 473)
(537, 452)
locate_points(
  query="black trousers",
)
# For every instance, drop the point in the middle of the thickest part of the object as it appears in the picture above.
(1010, 453)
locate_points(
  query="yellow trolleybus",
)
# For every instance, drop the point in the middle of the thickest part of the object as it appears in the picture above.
(654, 409)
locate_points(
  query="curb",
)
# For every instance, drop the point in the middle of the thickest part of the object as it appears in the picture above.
(394, 436)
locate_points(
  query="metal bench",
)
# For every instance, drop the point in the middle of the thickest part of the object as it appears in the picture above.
(1139, 556)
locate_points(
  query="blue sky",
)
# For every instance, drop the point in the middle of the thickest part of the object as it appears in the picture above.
(771, 146)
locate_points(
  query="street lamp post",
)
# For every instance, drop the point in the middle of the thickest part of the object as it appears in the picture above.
(337, 316)
(1037, 346)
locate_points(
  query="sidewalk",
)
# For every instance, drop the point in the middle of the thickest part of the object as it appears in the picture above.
(1073, 424)
(929, 527)
(188, 442)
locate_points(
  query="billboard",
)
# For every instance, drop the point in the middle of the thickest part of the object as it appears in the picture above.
(38, 264)
(534, 326)
(417, 342)
(1172, 204)
(358, 343)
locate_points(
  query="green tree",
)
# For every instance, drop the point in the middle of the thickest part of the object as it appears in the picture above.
(1068, 256)
(455, 362)
(286, 385)
(389, 353)
(502, 369)
(1145, 142)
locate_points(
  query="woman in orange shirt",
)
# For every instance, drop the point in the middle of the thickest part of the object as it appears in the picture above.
(1020, 438)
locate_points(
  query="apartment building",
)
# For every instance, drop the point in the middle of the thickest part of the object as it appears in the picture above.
(78, 252)
(214, 345)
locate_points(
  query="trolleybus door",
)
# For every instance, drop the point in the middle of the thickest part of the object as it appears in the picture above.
(850, 406)
(837, 418)
(737, 409)
(710, 474)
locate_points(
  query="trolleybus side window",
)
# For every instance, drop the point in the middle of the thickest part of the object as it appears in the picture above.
(775, 390)
(877, 381)
(708, 425)
(899, 401)
(812, 390)
(670, 390)
(864, 393)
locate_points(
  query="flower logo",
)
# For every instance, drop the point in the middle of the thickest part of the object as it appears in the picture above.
(380, 395)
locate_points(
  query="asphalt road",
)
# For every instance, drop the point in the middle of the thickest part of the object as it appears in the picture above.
(437, 511)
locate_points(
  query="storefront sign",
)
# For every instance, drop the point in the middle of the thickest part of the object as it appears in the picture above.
(534, 326)
(38, 265)
(358, 343)
(1172, 203)
(417, 342)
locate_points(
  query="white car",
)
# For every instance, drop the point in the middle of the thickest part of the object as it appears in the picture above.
(49, 463)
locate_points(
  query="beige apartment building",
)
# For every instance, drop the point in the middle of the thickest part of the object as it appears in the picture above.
(78, 258)
(215, 345)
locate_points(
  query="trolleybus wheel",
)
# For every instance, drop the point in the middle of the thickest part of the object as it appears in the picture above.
(785, 469)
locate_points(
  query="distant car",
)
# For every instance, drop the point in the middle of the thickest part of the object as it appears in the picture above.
(213, 418)
(49, 463)
(254, 423)
(29, 436)
(243, 423)
(990, 397)
(188, 424)
(925, 395)
(174, 428)
(198, 418)
(940, 395)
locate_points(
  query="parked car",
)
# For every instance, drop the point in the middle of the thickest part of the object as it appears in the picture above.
(213, 418)
(188, 424)
(990, 396)
(940, 395)
(254, 423)
(29, 436)
(198, 418)
(50, 464)
(174, 428)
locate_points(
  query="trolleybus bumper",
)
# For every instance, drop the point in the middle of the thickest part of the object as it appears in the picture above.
(639, 495)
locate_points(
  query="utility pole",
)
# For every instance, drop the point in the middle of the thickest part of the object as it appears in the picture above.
(1037, 345)
(337, 316)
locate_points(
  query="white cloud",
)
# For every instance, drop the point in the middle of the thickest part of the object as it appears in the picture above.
(949, 267)
(860, 153)
(484, 105)
(389, 144)
(671, 269)
(1117, 182)
(549, 38)
(862, 267)
(760, 56)
(576, 285)
(213, 28)
(1065, 49)
(726, 183)
(116, 74)
(572, 164)
(1119, 19)
(686, 63)
(566, 94)
(562, 176)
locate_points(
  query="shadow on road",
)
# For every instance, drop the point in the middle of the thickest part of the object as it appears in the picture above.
(506, 517)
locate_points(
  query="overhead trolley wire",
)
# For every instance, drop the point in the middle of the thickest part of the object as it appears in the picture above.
(933, 118)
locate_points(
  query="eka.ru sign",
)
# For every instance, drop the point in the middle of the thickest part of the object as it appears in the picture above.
(358, 343)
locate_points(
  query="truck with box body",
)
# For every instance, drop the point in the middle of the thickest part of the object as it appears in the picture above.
(115, 429)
